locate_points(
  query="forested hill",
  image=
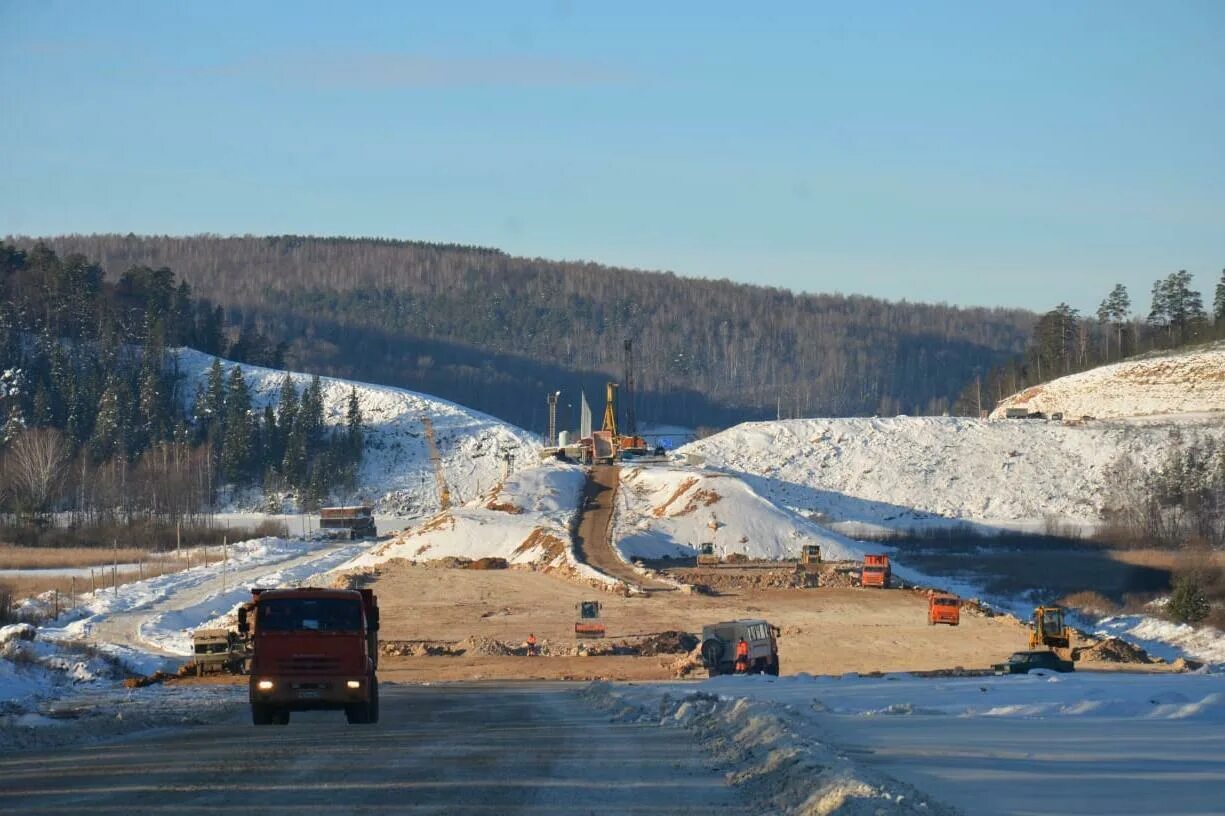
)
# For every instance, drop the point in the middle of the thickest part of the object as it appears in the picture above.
(497, 332)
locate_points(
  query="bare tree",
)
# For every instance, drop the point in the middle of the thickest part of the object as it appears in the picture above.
(34, 469)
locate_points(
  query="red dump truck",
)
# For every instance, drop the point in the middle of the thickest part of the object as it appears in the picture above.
(312, 648)
(876, 571)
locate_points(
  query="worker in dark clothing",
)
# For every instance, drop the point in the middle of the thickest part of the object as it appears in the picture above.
(742, 657)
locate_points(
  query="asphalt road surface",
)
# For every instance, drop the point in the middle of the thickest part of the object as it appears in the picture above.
(482, 749)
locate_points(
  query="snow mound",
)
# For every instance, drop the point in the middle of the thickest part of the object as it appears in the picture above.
(665, 511)
(397, 473)
(1181, 382)
(900, 472)
(525, 520)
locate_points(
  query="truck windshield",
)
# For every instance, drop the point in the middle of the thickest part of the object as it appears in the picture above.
(309, 615)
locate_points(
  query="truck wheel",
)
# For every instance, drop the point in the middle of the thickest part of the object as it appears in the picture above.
(356, 713)
(772, 667)
(282, 717)
(372, 711)
(261, 714)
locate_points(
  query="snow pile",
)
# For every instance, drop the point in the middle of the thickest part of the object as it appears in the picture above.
(1186, 381)
(774, 763)
(32, 669)
(1166, 639)
(397, 473)
(903, 471)
(665, 511)
(525, 520)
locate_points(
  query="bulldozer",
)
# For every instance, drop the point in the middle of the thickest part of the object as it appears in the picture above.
(1049, 632)
(810, 555)
(706, 555)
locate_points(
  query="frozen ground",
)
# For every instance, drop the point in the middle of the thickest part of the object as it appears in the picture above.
(397, 473)
(1053, 744)
(906, 472)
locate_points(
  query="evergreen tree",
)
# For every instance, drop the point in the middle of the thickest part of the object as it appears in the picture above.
(353, 427)
(236, 453)
(213, 414)
(110, 428)
(1218, 303)
(1113, 312)
(1188, 603)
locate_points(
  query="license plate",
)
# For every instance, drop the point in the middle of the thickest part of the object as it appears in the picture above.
(310, 694)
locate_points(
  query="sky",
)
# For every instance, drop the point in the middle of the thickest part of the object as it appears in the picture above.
(971, 153)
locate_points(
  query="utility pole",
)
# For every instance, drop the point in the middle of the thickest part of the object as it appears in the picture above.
(551, 437)
(225, 560)
(115, 567)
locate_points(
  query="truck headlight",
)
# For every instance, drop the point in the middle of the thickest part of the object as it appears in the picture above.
(353, 684)
(264, 685)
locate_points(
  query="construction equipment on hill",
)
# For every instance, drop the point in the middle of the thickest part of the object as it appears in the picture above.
(706, 555)
(943, 607)
(810, 555)
(357, 521)
(1049, 630)
(876, 571)
(588, 624)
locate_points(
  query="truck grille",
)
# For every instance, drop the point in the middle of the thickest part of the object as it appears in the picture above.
(308, 664)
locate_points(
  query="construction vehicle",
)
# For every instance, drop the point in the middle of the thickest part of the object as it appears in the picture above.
(707, 556)
(876, 571)
(943, 607)
(719, 642)
(312, 648)
(1048, 630)
(588, 624)
(810, 555)
(217, 650)
(356, 521)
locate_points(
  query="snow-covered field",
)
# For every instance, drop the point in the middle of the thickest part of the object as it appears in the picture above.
(1182, 382)
(669, 511)
(1077, 744)
(904, 472)
(397, 473)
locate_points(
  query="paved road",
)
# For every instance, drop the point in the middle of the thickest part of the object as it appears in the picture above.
(495, 749)
(591, 543)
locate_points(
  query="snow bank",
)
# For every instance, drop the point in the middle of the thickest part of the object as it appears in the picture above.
(906, 471)
(1166, 639)
(774, 760)
(1186, 381)
(525, 520)
(396, 473)
(668, 511)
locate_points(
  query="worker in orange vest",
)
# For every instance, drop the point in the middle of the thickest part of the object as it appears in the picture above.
(742, 657)
(531, 645)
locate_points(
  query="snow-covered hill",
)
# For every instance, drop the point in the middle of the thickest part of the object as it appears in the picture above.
(664, 511)
(397, 472)
(1186, 381)
(901, 471)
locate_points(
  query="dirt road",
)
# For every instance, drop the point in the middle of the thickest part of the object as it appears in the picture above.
(496, 749)
(591, 543)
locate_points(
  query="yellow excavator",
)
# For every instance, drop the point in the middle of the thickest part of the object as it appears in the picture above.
(1050, 632)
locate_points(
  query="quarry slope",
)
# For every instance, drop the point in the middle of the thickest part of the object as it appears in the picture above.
(1186, 381)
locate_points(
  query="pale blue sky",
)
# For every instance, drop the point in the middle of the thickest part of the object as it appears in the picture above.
(973, 153)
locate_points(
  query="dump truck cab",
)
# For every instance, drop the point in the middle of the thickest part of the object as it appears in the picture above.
(720, 641)
(876, 571)
(312, 648)
(943, 607)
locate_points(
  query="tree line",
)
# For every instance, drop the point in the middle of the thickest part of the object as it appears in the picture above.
(1066, 342)
(95, 418)
(497, 332)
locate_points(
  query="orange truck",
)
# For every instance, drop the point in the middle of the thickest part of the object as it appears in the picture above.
(943, 607)
(312, 648)
(876, 571)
